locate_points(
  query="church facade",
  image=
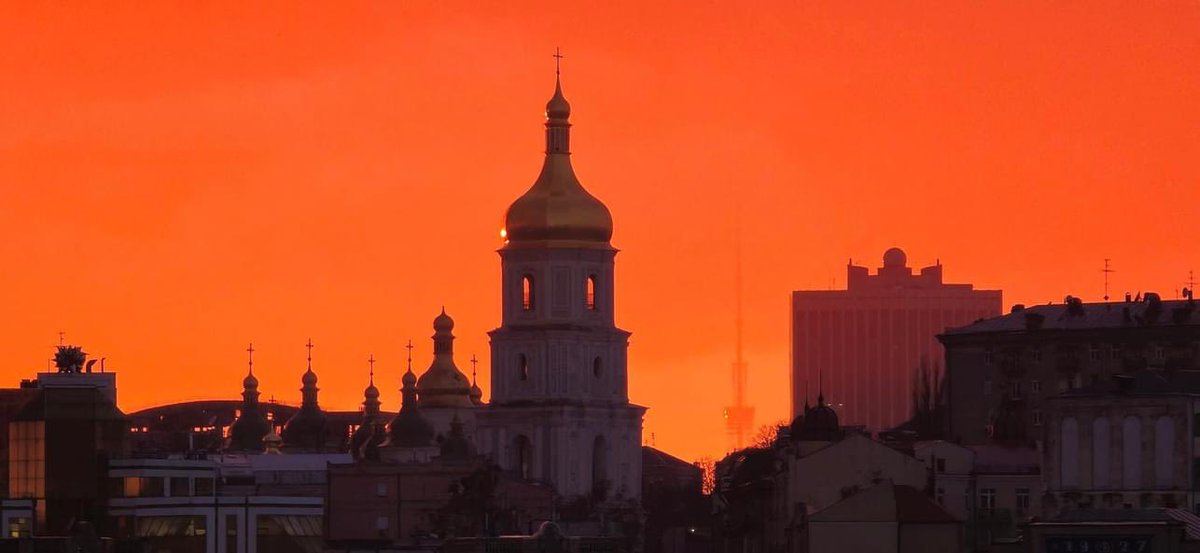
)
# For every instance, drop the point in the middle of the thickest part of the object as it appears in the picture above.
(559, 412)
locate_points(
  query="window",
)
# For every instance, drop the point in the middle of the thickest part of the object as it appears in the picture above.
(1068, 453)
(1037, 417)
(152, 487)
(1196, 425)
(591, 292)
(381, 489)
(597, 367)
(1037, 355)
(940, 463)
(180, 487)
(987, 386)
(987, 499)
(522, 367)
(527, 293)
(382, 523)
(1159, 353)
(1015, 389)
(1035, 387)
(1022, 501)
(1116, 352)
(1131, 452)
(523, 457)
(1095, 353)
(941, 496)
(987, 357)
(204, 486)
(599, 467)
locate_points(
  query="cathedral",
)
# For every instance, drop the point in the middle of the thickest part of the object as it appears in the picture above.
(559, 412)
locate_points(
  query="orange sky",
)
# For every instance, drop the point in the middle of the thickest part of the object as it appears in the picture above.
(177, 182)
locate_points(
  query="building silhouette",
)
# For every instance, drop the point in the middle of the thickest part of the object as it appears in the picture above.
(863, 345)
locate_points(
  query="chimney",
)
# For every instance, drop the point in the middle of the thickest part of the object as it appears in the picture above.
(1017, 308)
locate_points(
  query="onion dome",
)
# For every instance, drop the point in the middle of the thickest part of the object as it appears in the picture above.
(443, 385)
(476, 394)
(306, 430)
(456, 446)
(409, 428)
(367, 434)
(557, 209)
(247, 432)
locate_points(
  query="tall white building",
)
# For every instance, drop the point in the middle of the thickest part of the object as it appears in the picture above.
(560, 410)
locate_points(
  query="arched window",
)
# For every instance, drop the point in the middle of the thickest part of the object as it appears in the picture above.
(591, 292)
(1164, 452)
(1069, 453)
(1131, 453)
(1101, 449)
(523, 457)
(527, 293)
(599, 467)
(597, 367)
(522, 367)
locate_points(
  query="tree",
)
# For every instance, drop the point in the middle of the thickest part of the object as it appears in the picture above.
(928, 400)
(709, 475)
(766, 434)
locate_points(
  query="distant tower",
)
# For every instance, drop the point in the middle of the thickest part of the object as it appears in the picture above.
(559, 410)
(739, 417)
(248, 431)
(306, 430)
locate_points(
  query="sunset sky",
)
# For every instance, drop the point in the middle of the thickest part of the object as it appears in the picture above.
(180, 179)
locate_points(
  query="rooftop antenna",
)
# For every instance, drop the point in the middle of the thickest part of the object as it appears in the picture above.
(61, 337)
(1106, 270)
(1191, 284)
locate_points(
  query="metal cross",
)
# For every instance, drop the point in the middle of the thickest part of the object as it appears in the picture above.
(557, 60)
(309, 345)
(409, 347)
(474, 362)
(250, 355)
(371, 361)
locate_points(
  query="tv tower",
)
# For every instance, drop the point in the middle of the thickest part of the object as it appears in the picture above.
(739, 417)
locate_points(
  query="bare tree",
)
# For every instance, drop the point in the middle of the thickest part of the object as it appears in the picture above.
(709, 476)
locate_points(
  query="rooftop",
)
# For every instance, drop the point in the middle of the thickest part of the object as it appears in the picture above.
(1076, 315)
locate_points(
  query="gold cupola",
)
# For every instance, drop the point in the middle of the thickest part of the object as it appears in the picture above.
(557, 210)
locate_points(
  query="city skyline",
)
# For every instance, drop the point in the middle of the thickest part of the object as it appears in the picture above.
(170, 211)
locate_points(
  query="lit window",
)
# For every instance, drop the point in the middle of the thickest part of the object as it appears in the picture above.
(591, 292)
(527, 293)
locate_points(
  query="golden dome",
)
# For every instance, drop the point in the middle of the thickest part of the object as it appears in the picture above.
(443, 385)
(557, 207)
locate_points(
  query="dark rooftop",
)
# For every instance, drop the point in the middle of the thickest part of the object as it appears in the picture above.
(1076, 315)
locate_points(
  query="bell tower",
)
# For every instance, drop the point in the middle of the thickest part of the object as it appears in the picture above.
(560, 410)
